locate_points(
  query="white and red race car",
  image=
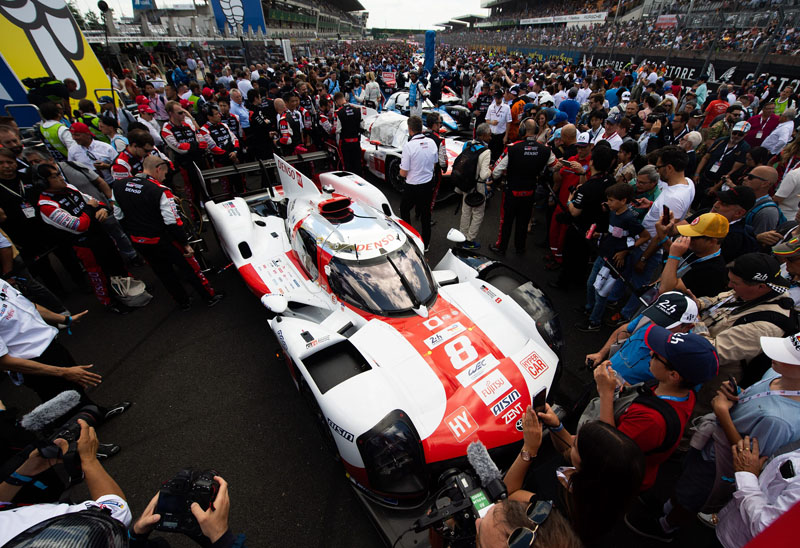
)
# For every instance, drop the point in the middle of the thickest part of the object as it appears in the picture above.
(402, 365)
(382, 139)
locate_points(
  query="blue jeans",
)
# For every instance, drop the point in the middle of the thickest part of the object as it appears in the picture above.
(594, 302)
(639, 279)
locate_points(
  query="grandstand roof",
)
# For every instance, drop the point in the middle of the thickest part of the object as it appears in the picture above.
(493, 3)
(452, 24)
(347, 5)
(470, 18)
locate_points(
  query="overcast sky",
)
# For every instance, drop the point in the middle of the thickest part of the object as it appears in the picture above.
(408, 14)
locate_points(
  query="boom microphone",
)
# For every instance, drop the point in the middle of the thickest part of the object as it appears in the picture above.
(53, 409)
(491, 479)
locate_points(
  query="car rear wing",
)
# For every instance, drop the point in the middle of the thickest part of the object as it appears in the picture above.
(267, 168)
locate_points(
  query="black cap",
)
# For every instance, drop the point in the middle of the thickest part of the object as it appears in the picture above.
(499, 94)
(760, 268)
(739, 195)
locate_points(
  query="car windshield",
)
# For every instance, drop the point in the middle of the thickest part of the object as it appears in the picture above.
(395, 283)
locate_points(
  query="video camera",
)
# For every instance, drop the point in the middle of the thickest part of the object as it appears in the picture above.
(177, 495)
(462, 498)
(40, 422)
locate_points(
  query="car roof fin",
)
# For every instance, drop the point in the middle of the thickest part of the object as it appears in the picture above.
(295, 184)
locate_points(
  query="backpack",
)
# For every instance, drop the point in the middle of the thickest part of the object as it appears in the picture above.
(756, 367)
(642, 394)
(465, 166)
(748, 219)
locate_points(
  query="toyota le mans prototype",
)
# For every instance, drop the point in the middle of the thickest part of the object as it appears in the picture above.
(382, 140)
(403, 366)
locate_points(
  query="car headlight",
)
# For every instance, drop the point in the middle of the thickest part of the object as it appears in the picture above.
(393, 456)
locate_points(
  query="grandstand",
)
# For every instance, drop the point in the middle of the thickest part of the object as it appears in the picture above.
(748, 27)
(293, 19)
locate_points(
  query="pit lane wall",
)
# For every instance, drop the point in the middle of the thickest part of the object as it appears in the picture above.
(724, 67)
(40, 38)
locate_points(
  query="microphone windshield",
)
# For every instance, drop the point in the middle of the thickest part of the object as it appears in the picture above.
(51, 410)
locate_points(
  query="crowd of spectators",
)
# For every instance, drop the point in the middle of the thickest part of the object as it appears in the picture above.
(636, 34)
(676, 201)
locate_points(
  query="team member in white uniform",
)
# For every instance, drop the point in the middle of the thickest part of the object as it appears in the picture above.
(498, 116)
(420, 154)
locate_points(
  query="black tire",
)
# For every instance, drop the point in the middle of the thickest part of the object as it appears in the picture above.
(393, 174)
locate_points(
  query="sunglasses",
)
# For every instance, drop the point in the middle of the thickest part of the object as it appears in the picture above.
(738, 133)
(751, 176)
(538, 512)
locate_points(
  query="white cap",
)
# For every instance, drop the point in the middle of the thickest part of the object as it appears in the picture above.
(584, 138)
(545, 97)
(782, 349)
(626, 95)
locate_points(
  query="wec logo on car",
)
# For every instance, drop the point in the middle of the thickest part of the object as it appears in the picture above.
(533, 364)
(477, 370)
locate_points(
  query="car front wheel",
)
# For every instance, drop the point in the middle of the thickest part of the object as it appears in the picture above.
(393, 174)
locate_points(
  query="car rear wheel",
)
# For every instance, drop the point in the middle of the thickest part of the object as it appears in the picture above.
(393, 174)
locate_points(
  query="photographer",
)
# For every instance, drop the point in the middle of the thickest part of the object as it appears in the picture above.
(213, 523)
(104, 492)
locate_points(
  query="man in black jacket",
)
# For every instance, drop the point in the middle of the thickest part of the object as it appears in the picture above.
(148, 213)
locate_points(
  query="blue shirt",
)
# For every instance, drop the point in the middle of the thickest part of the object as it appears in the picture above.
(774, 420)
(570, 107)
(611, 97)
(632, 360)
(242, 112)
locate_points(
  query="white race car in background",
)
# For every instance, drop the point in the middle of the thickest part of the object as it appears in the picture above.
(402, 366)
(382, 140)
(455, 116)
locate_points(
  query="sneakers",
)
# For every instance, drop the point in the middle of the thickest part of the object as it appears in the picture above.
(582, 310)
(616, 320)
(647, 525)
(497, 249)
(106, 450)
(471, 245)
(118, 409)
(214, 301)
(587, 327)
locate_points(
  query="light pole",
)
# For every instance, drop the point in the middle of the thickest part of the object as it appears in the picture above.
(103, 7)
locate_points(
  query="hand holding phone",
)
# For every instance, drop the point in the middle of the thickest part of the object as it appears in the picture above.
(665, 216)
(539, 400)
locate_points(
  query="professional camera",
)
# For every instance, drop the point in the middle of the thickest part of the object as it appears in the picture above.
(177, 495)
(71, 432)
(46, 423)
(462, 498)
(652, 118)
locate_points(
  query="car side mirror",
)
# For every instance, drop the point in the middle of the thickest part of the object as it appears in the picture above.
(275, 303)
(456, 236)
(376, 143)
(445, 277)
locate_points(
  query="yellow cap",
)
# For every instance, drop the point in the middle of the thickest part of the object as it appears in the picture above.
(712, 225)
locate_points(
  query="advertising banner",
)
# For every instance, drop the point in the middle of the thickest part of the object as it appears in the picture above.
(597, 17)
(139, 5)
(42, 40)
(231, 14)
(667, 21)
(389, 78)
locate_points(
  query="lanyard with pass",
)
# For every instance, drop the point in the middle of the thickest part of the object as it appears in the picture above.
(770, 393)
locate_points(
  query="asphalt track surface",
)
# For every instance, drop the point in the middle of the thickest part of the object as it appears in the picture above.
(209, 392)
